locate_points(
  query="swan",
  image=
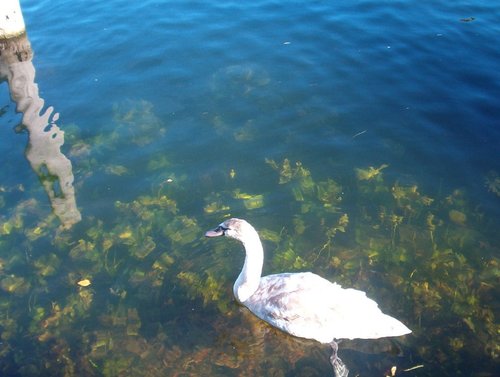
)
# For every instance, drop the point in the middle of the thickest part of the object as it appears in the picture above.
(304, 304)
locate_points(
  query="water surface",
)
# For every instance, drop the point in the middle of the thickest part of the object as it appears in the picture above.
(361, 139)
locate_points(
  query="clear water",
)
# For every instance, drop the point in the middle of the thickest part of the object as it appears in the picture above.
(179, 114)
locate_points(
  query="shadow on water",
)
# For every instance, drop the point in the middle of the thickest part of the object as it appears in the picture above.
(45, 138)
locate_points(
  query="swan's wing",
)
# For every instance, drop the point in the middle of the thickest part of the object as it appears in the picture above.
(306, 305)
(295, 303)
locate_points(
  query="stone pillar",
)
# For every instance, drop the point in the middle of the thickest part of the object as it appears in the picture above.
(11, 19)
(14, 46)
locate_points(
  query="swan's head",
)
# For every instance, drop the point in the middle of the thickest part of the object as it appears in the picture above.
(234, 228)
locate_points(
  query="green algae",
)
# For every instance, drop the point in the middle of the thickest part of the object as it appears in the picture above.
(153, 283)
(370, 173)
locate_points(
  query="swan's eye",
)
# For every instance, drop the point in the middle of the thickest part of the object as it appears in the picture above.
(222, 229)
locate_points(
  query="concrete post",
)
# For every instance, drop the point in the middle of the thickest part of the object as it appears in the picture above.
(11, 19)
(14, 45)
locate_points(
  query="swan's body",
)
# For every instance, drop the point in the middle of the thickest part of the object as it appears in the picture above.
(304, 304)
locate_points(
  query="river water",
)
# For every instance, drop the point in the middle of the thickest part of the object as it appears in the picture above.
(359, 138)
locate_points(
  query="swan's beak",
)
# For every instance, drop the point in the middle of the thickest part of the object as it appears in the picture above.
(219, 231)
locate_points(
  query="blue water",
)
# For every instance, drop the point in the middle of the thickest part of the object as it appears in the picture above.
(201, 94)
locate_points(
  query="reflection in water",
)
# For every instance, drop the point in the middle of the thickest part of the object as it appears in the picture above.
(45, 137)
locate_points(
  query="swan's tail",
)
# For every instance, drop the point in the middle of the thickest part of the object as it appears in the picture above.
(389, 326)
(363, 318)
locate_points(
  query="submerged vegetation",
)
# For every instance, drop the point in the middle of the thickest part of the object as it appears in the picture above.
(137, 291)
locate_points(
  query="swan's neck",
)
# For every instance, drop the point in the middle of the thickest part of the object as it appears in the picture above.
(249, 278)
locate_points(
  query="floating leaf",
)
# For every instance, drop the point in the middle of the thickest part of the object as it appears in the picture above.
(84, 283)
(125, 235)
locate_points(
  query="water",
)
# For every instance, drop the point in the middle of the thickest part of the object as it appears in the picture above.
(178, 114)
